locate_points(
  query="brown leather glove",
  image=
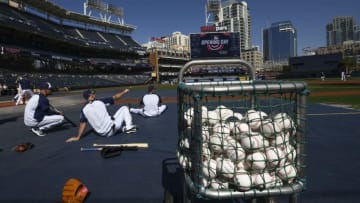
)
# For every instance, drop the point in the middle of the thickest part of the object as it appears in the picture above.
(74, 191)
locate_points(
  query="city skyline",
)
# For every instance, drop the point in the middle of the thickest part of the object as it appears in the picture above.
(162, 17)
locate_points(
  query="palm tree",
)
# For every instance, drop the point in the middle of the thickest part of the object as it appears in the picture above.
(348, 63)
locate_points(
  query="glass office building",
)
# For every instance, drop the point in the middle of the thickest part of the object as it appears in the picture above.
(279, 42)
(341, 29)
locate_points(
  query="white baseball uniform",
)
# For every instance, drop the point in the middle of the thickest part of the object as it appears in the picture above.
(24, 88)
(38, 114)
(152, 106)
(96, 114)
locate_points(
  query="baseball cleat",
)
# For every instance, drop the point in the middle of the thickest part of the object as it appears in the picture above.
(38, 132)
(132, 129)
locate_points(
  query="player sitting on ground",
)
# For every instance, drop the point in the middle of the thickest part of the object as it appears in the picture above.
(38, 114)
(95, 113)
(150, 105)
(24, 88)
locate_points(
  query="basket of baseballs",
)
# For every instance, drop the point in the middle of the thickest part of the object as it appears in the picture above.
(241, 151)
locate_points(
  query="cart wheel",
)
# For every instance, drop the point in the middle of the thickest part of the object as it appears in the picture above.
(168, 198)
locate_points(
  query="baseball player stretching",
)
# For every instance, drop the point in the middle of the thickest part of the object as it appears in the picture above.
(24, 89)
(38, 114)
(95, 113)
(150, 104)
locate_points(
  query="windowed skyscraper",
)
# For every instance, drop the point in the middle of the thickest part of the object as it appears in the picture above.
(279, 42)
(341, 29)
(234, 15)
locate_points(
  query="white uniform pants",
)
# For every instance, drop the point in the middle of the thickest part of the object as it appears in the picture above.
(48, 122)
(153, 113)
(121, 115)
(21, 95)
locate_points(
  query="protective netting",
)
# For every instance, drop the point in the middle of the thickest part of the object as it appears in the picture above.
(242, 139)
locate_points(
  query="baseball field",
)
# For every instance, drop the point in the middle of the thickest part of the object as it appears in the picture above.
(38, 175)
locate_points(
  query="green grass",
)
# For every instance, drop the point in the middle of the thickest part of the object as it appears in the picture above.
(333, 88)
(349, 100)
(352, 101)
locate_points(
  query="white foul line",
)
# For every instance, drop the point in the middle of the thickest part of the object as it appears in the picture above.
(330, 114)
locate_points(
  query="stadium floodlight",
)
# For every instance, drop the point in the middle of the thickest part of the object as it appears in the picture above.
(116, 10)
(212, 9)
(96, 5)
(213, 6)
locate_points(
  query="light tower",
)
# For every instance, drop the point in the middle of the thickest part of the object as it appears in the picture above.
(105, 10)
(212, 9)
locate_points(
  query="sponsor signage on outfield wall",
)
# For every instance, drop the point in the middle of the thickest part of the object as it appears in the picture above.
(215, 45)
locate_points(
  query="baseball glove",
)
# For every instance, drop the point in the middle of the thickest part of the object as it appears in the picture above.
(74, 191)
(23, 147)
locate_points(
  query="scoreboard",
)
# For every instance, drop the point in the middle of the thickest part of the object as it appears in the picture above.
(215, 45)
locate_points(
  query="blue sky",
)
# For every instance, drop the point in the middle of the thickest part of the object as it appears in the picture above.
(162, 17)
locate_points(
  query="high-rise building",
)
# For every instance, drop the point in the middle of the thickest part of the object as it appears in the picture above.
(279, 42)
(357, 33)
(178, 41)
(235, 16)
(341, 29)
(254, 56)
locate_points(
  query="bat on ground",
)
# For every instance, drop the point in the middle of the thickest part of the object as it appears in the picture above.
(138, 145)
(65, 117)
(108, 152)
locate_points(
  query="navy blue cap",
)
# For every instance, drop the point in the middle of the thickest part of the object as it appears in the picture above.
(87, 93)
(45, 86)
(151, 88)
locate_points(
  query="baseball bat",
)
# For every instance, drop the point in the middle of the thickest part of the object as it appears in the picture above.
(65, 117)
(138, 145)
(86, 149)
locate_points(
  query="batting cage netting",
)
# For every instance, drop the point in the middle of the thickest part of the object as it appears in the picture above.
(241, 139)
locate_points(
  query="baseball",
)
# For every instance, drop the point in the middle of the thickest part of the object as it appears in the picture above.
(204, 114)
(290, 153)
(209, 168)
(216, 143)
(184, 162)
(284, 121)
(184, 143)
(206, 153)
(265, 180)
(204, 182)
(224, 112)
(232, 124)
(280, 140)
(287, 173)
(213, 117)
(243, 181)
(256, 161)
(252, 142)
(241, 166)
(254, 118)
(239, 116)
(241, 129)
(188, 115)
(269, 128)
(225, 168)
(218, 184)
(205, 134)
(275, 157)
(235, 152)
(222, 129)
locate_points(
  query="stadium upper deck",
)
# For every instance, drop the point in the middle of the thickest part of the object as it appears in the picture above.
(85, 33)
(39, 38)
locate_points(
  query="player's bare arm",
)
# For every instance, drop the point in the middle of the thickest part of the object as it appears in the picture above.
(119, 95)
(82, 127)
